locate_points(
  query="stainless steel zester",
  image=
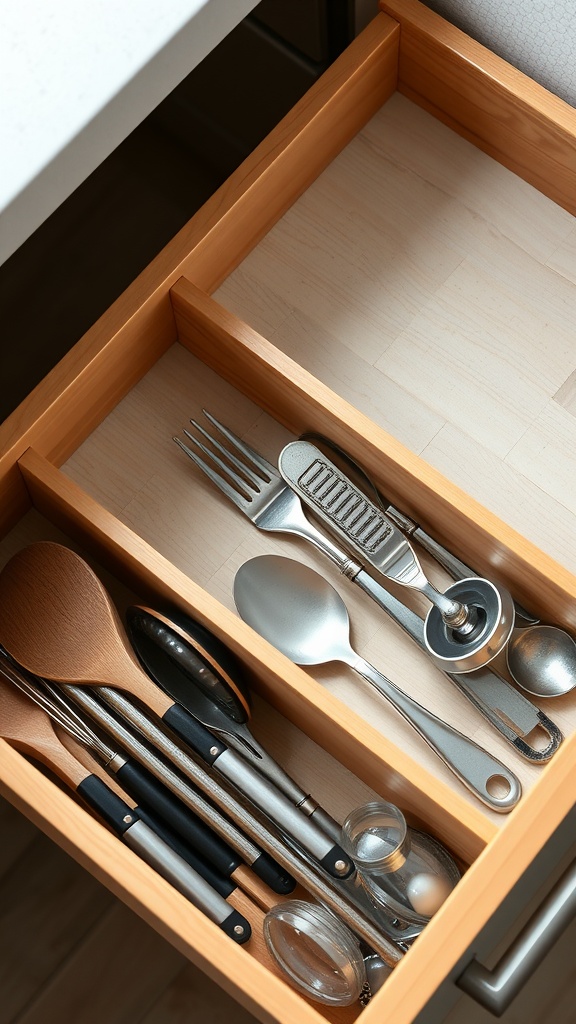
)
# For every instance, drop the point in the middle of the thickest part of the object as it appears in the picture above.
(467, 626)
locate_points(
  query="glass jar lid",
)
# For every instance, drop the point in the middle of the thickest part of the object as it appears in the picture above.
(320, 955)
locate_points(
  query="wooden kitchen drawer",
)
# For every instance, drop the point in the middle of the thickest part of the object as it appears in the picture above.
(88, 457)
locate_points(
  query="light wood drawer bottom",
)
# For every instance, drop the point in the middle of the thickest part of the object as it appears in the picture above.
(91, 451)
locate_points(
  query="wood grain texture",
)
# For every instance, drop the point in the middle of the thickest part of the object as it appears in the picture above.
(563, 259)
(428, 792)
(133, 332)
(47, 906)
(409, 250)
(486, 100)
(28, 729)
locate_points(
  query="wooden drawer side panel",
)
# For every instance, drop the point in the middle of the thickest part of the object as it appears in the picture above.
(351, 740)
(79, 392)
(301, 402)
(490, 103)
(138, 327)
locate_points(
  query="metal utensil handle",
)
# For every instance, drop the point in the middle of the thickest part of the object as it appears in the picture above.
(495, 989)
(144, 841)
(126, 824)
(243, 741)
(473, 765)
(514, 716)
(509, 711)
(275, 849)
(349, 514)
(453, 565)
(259, 790)
(459, 571)
(229, 834)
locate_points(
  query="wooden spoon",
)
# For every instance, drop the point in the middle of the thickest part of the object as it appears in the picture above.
(58, 621)
(28, 729)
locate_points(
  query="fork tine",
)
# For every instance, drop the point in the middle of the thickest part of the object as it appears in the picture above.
(255, 480)
(242, 500)
(267, 468)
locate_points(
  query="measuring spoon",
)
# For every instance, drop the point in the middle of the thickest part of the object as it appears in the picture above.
(542, 660)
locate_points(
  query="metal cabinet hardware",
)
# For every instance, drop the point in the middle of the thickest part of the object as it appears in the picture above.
(495, 989)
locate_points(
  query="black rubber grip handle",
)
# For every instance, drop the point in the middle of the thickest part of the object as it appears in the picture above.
(236, 921)
(275, 876)
(107, 804)
(189, 729)
(219, 882)
(155, 798)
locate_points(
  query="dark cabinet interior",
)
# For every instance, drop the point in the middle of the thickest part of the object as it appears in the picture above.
(69, 271)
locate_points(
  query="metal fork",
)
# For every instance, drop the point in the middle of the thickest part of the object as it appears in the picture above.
(255, 486)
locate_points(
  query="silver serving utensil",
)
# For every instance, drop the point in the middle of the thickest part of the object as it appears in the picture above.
(257, 490)
(542, 660)
(302, 615)
(165, 647)
(453, 565)
(469, 623)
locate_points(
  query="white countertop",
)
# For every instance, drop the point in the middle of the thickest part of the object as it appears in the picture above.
(76, 79)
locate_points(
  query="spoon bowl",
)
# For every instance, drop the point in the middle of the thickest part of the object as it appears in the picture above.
(303, 616)
(542, 660)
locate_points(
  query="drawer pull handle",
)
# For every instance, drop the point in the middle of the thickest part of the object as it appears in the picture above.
(495, 989)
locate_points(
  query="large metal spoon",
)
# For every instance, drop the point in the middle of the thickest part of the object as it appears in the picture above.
(542, 660)
(302, 615)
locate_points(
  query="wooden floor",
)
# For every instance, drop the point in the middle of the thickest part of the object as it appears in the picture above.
(440, 294)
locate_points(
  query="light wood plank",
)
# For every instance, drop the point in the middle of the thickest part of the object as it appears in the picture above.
(566, 395)
(487, 201)
(47, 905)
(114, 974)
(545, 454)
(563, 259)
(488, 101)
(480, 356)
(528, 507)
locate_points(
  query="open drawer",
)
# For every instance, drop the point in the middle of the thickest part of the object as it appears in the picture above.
(89, 457)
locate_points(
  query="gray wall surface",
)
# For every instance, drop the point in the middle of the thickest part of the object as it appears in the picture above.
(536, 36)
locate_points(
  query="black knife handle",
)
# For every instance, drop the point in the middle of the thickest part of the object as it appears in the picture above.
(115, 811)
(158, 799)
(218, 881)
(202, 741)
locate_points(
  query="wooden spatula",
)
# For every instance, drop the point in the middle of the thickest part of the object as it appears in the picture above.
(58, 621)
(26, 727)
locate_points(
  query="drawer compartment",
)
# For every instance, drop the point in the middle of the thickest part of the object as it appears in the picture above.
(91, 452)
